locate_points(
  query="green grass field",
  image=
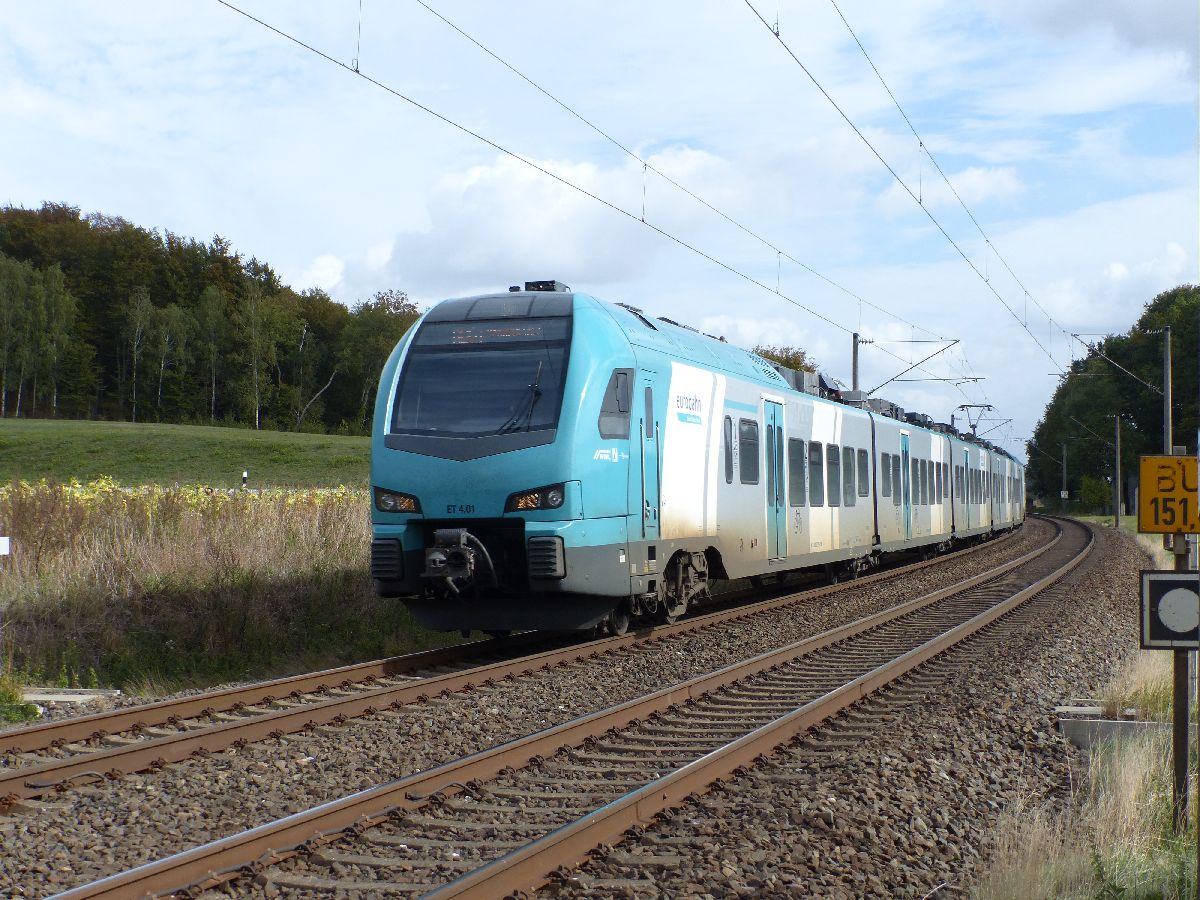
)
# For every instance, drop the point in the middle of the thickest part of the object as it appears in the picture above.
(32, 449)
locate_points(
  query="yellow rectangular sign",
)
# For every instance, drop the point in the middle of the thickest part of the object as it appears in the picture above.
(1167, 498)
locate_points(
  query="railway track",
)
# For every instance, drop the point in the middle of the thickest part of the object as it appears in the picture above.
(503, 819)
(56, 756)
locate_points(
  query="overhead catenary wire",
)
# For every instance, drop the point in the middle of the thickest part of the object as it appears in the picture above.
(647, 166)
(566, 182)
(923, 147)
(533, 165)
(903, 184)
(543, 170)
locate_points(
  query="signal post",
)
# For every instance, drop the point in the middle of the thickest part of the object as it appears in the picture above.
(1169, 504)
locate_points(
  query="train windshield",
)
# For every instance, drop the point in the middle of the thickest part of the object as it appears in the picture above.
(476, 378)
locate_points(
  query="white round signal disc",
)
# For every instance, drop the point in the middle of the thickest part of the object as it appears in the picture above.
(1179, 610)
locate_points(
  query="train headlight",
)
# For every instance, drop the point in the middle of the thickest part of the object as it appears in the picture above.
(549, 497)
(396, 502)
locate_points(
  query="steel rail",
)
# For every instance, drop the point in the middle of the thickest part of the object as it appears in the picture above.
(528, 867)
(31, 781)
(168, 712)
(219, 860)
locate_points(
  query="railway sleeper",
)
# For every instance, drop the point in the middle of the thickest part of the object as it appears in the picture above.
(456, 825)
(571, 780)
(555, 812)
(641, 741)
(301, 882)
(334, 857)
(517, 793)
(626, 758)
(679, 733)
(433, 843)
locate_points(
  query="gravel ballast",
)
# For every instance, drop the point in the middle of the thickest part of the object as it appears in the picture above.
(909, 809)
(95, 830)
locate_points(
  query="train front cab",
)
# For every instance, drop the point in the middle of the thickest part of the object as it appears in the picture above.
(501, 464)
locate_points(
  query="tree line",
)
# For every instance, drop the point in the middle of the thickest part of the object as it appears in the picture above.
(1080, 415)
(100, 318)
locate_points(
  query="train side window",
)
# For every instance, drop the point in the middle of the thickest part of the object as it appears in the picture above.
(816, 474)
(914, 489)
(885, 475)
(924, 482)
(864, 473)
(614, 409)
(958, 483)
(748, 451)
(728, 450)
(937, 482)
(945, 480)
(849, 497)
(833, 473)
(796, 466)
(896, 485)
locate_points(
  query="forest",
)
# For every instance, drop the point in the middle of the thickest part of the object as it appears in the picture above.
(103, 319)
(1118, 384)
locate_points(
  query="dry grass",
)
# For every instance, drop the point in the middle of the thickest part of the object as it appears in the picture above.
(179, 585)
(1145, 686)
(1036, 855)
(1115, 839)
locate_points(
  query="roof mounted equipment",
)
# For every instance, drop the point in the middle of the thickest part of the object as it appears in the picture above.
(556, 286)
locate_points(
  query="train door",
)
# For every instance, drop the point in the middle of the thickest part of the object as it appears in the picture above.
(969, 486)
(906, 487)
(650, 437)
(776, 505)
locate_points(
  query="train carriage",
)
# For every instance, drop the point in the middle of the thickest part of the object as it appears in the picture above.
(541, 459)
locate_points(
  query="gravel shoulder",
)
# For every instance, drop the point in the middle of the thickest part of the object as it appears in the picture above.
(96, 830)
(910, 809)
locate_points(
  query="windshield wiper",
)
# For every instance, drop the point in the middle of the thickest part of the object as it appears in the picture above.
(523, 415)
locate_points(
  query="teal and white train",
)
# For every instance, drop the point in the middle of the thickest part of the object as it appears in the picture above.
(542, 459)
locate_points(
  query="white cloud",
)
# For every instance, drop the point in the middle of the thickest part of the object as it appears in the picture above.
(325, 272)
(1067, 125)
(1165, 26)
(975, 185)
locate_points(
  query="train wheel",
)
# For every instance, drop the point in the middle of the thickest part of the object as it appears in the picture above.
(618, 619)
(670, 609)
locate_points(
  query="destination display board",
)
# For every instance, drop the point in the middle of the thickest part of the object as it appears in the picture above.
(1167, 496)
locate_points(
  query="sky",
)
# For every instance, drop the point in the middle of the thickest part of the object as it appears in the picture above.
(679, 157)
